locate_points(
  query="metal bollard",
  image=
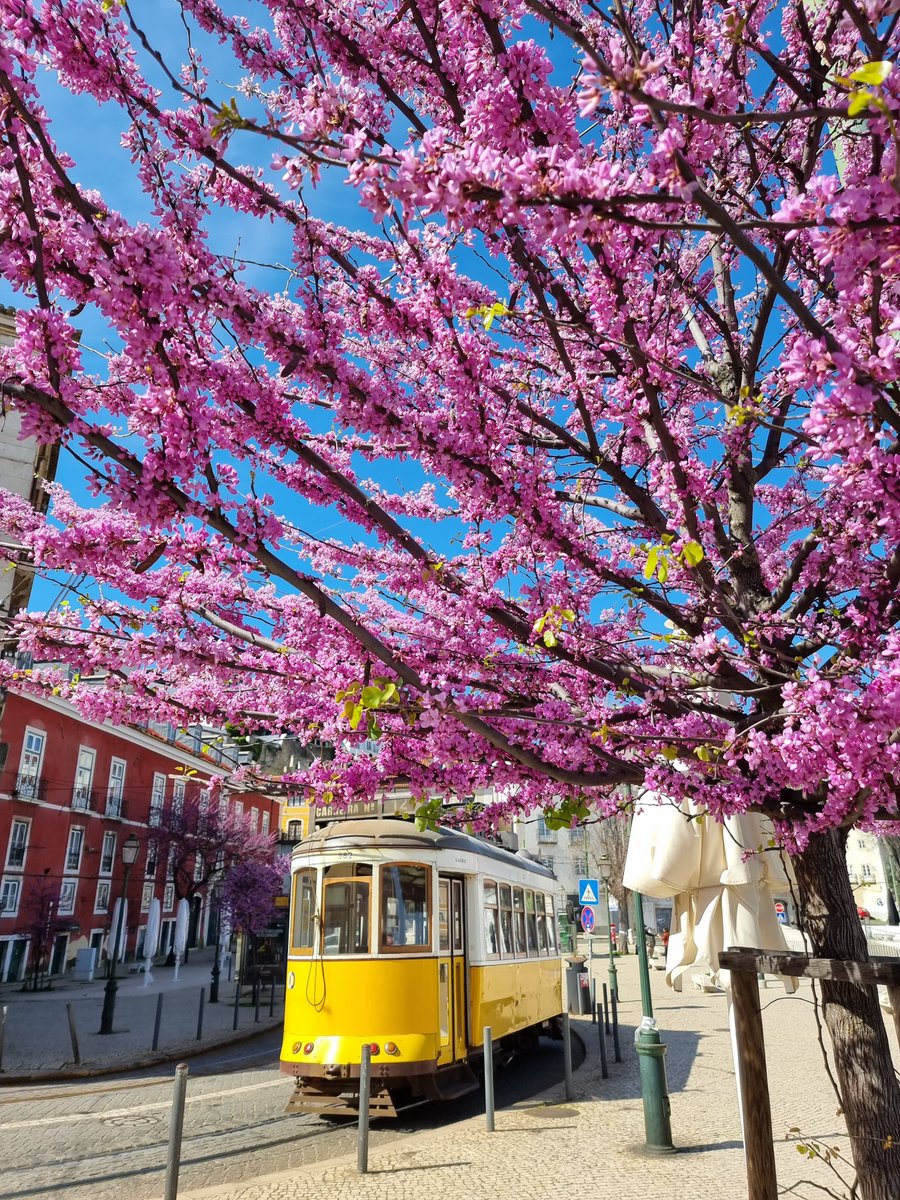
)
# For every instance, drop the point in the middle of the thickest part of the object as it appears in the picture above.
(73, 1035)
(567, 1058)
(2, 1032)
(593, 1000)
(200, 1014)
(176, 1125)
(365, 1087)
(606, 1010)
(604, 1062)
(488, 1079)
(237, 1000)
(157, 1022)
(272, 998)
(615, 1027)
(258, 990)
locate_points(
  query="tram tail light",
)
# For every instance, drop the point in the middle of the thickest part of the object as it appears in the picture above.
(308, 1048)
(391, 1048)
(374, 1048)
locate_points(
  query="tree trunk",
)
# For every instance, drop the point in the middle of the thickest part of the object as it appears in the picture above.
(870, 1094)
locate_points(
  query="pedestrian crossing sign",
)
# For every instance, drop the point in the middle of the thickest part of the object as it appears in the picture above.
(588, 891)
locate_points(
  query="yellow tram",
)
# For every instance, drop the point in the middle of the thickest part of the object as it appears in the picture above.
(411, 942)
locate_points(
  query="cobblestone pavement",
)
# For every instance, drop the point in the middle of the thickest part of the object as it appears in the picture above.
(239, 1145)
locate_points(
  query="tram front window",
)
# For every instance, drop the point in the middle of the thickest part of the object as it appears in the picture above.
(345, 923)
(404, 907)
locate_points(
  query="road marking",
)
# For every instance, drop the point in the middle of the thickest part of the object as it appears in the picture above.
(40, 1122)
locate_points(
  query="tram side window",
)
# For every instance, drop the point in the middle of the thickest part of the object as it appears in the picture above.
(405, 923)
(506, 921)
(491, 920)
(551, 924)
(519, 921)
(541, 922)
(345, 924)
(531, 924)
(303, 927)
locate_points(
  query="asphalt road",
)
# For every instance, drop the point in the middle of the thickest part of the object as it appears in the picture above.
(92, 1140)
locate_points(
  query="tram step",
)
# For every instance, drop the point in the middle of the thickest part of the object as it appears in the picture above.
(455, 1081)
(336, 1104)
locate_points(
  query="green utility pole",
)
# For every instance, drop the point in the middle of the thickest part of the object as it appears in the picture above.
(613, 974)
(651, 1055)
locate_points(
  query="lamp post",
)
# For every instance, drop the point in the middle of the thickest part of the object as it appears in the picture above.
(130, 849)
(605, 874)
(651, 1054)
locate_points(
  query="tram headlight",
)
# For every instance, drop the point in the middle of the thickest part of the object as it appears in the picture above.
(296, 1048)
(291, 979)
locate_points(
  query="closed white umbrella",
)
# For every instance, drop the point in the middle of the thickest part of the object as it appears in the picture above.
(182, 918)
(118, 931)
(721, 878)
(151, 938)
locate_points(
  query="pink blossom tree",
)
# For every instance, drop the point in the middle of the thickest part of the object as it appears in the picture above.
(571, 464)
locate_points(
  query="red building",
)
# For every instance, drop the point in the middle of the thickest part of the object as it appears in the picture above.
(71, 793)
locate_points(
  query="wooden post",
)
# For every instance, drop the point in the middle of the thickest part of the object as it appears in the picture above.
(758, 1148)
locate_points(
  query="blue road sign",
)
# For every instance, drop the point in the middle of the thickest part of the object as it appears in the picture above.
(588, 891)
(587, 919)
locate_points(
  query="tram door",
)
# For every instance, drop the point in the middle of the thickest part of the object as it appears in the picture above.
(452, 970)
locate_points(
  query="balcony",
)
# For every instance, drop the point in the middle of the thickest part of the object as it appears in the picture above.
(82, 799)
(29, 787)
(115, 806)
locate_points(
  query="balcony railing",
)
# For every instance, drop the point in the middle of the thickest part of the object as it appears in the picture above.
(82, 799)
(115, 806)
(29, 787)
(155, 813)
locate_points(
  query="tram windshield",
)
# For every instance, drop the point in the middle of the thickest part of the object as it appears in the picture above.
(345, 921)
(304, 927)
(405, 922)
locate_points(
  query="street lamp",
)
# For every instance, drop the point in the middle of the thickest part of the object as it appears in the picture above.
(606, 874)
(130, 849)
(651, 1051)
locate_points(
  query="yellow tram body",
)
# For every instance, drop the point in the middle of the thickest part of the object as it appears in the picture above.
(411, 942)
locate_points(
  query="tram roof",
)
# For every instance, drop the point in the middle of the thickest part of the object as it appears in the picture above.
(395, 833)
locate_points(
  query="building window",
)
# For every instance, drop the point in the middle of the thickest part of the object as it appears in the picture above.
(29, 778)
(178, 790)
(73, 850)
(547, 860)
(254, 819)
(9, 897)
(157, 798)
(116, 789)
(101, 901)
(170, 863)
(545, 834)
(150, 872)
(146, 897)
(867, 872)
(18, 844)
(295, 830)
(265, 823)
(576, 836)
(168, 897)
(198, 867)
(67, 895)
(84, 779)
(108, 854)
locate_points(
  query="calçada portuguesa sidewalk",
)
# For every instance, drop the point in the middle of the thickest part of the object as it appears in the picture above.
(593, 1146)
(37, 1040)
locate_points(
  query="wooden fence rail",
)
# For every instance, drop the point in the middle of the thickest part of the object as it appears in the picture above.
(745, 965)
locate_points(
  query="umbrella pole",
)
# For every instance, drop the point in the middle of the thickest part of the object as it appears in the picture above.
(651, 1055)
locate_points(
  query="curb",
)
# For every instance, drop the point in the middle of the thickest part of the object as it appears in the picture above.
(192, 1050)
